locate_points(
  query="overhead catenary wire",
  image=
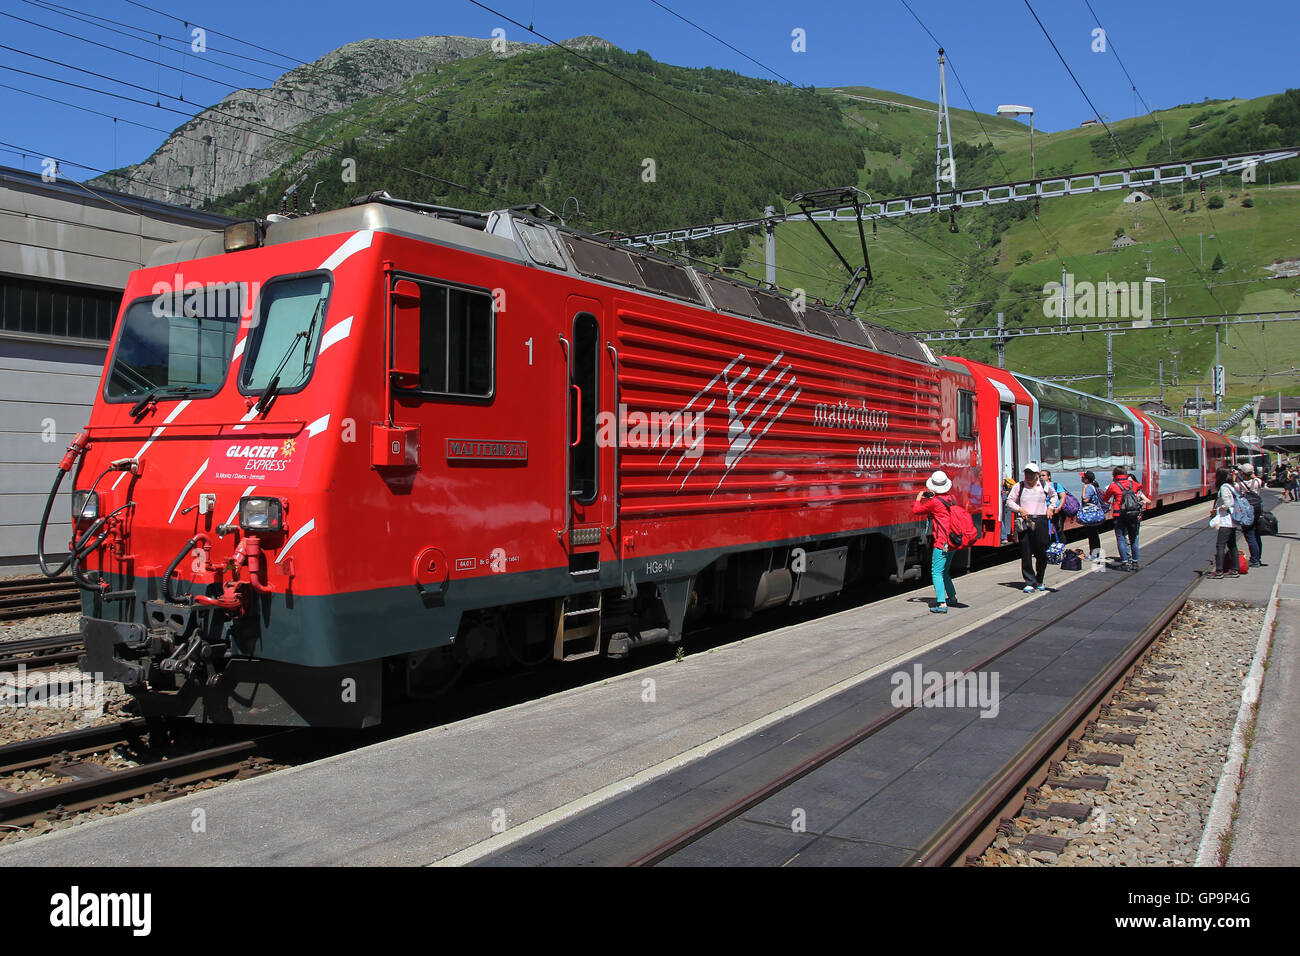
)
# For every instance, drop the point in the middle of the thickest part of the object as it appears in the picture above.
(320, 148)
(91, 19)
(1118, 145)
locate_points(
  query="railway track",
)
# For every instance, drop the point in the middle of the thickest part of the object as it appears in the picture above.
(1012, 791)
(968, 833)
(41, 652)
(91, 785)
(37, 596)
(663, 823)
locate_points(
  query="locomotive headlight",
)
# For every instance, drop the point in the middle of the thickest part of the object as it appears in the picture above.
(85, 505)
(261, 514)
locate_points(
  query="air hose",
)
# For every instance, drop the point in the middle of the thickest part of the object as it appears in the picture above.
(171, 569)
(69, 459)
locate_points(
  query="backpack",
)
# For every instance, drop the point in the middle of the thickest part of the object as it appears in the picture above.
(1253, 497)
(961, 527)
(1266, 523)
(1130, 505)
(1243, 512)
(1069, 505)
(1071, 561)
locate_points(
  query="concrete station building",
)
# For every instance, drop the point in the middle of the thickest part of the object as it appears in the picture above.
(65, 253)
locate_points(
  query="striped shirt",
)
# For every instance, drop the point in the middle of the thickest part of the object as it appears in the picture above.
(1033, 500)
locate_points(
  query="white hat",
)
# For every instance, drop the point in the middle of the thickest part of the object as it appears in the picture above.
(1246, 468)
(939, 483)
(1032, 466)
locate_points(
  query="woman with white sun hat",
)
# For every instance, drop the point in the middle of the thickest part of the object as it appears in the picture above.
(936, 502)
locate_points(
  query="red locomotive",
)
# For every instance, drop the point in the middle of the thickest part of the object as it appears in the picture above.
(345, 456)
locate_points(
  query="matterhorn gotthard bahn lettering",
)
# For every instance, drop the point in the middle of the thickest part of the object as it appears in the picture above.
(555, 432)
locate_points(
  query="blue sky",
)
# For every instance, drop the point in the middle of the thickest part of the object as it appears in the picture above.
(1205, 50)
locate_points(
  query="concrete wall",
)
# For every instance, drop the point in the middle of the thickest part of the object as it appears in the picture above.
(46, 389)
(62, 232)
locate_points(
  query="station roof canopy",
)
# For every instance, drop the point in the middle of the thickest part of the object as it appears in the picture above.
(1281, 443)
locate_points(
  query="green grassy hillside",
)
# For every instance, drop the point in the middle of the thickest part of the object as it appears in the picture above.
(546, 126)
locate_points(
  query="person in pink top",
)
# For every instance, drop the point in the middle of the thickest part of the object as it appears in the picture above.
(1037, 503)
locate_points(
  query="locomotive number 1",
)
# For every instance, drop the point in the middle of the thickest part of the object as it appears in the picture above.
(529, 343)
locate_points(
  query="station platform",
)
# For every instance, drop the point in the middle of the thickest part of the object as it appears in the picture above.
(486, 788)
(1265, 832)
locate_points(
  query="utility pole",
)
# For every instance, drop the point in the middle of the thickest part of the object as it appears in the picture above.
(1002, 344)
(1110, 366)
(1162, 381)
(943, 139)
(1065, 300)
(1218, 396)
(770, 230)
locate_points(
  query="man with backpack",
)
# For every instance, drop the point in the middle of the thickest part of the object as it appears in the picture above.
(953, 529)
(1248, 486)
(1129, 502)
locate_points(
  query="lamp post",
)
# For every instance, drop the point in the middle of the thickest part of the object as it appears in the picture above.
(1010, 109)
(1164, 299)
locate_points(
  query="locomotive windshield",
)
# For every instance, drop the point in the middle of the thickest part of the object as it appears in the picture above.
(282, 345)
(174, 346)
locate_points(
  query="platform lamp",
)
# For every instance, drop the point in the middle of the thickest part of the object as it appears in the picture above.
(1011, 109)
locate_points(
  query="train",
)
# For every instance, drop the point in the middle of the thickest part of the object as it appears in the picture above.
(336, 460)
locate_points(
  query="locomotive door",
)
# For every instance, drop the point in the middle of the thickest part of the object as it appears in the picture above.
(590, 466)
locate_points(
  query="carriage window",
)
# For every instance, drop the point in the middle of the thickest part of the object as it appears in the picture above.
(1050, 435)
(965, 414)
(1101, 435)
(456, 341)
(1070, 440)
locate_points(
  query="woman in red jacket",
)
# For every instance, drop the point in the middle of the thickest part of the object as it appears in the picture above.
(931, 503)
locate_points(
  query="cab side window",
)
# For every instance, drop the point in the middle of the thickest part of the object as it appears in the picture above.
(457, 341)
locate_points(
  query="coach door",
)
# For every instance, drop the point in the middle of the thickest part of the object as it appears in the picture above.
(1007, 442)
(591, 384)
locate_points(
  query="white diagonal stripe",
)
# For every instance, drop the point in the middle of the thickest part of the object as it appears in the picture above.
(180, 407)
(294, 538)
(319, 425)
(336, 333)
(252, 413)
(353, 244)
(186, 490)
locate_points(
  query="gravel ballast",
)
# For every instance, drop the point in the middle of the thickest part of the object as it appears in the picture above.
(1152, 812)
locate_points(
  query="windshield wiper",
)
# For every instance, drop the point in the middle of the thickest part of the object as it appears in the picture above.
(273, 386)
(151, 397)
